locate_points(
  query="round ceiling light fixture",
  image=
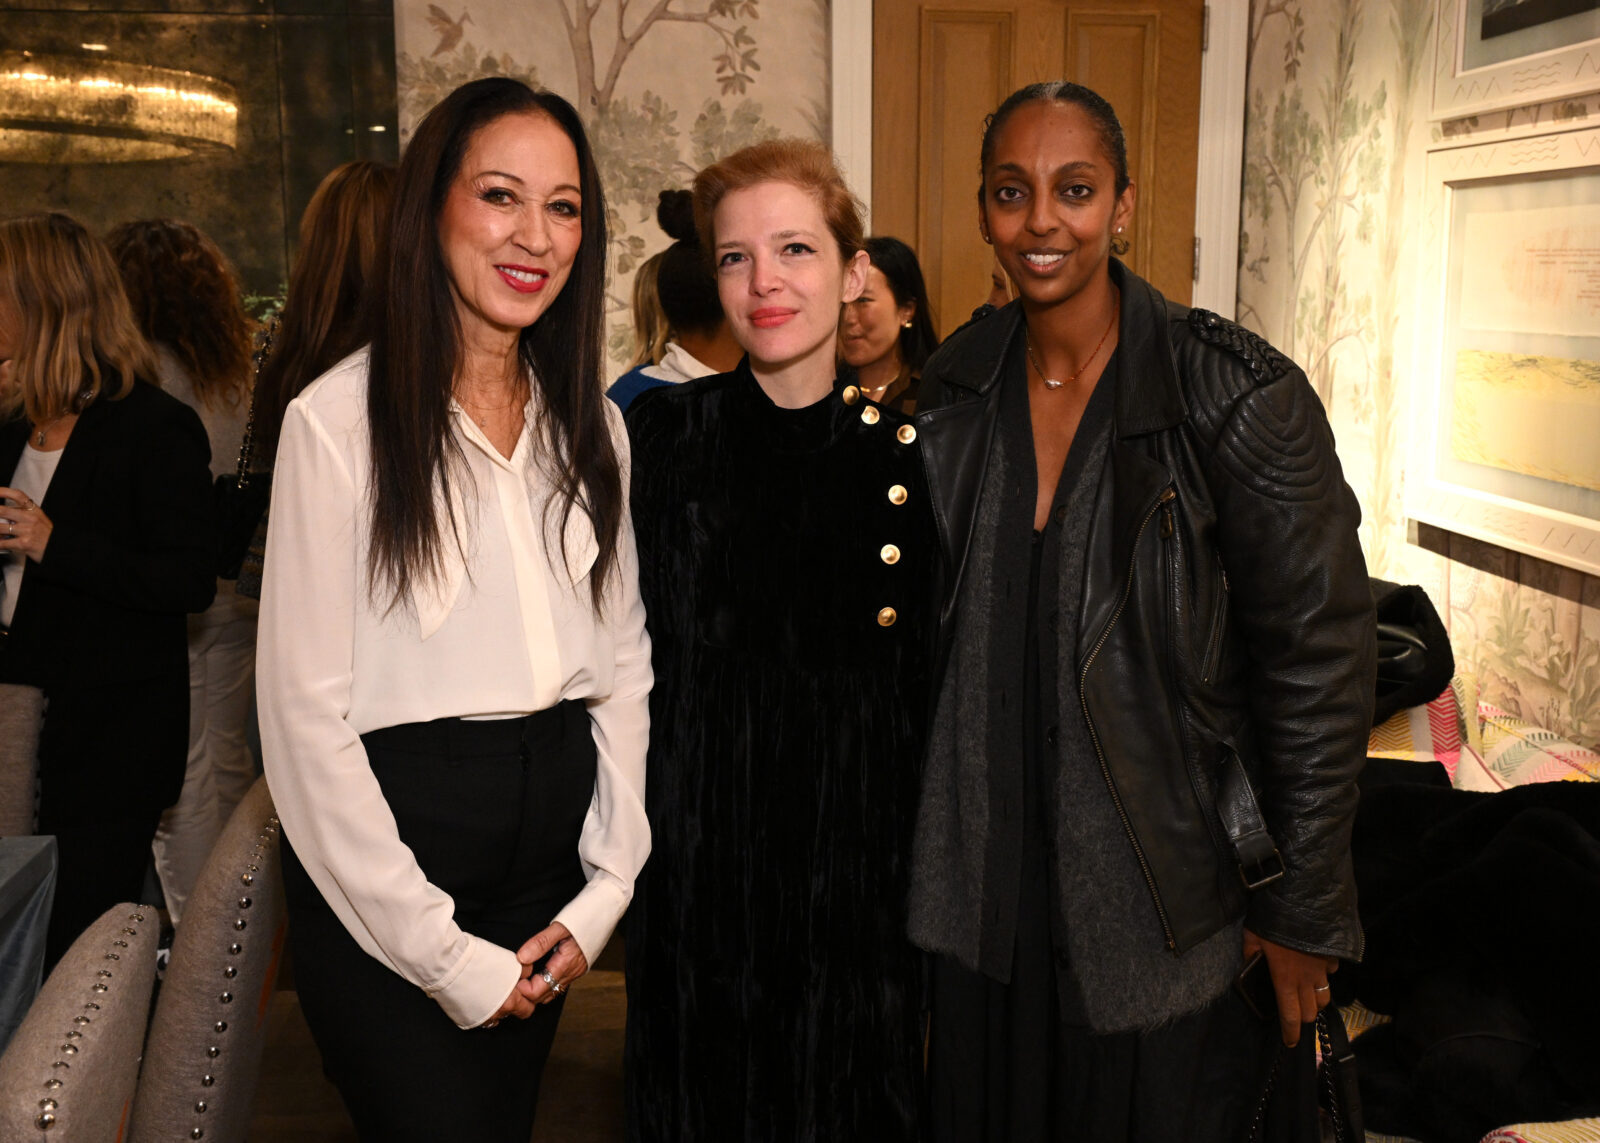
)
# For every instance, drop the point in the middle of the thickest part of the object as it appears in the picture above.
(68, 109)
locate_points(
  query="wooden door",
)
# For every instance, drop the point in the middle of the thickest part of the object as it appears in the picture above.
(940, 66)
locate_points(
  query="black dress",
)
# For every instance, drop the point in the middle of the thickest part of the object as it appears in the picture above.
(1018, 1062)
(784, 556)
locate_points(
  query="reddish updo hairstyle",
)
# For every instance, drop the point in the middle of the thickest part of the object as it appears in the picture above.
(804, 163)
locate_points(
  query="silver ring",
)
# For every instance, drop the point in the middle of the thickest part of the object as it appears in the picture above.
(547, 978)
(558, 988)
(490, 1023)
(1321, 988)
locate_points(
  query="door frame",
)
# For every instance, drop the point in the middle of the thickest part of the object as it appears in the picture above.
(1221, 161)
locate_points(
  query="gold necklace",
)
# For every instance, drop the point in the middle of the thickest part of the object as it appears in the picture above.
(1050, 382)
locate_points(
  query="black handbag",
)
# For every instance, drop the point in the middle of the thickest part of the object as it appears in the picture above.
(241, 496)
(1338, 1092)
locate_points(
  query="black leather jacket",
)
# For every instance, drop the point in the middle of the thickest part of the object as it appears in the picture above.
(1238, 626)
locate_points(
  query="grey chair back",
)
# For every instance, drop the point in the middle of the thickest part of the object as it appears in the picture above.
(69, 1072)
(204, 1054)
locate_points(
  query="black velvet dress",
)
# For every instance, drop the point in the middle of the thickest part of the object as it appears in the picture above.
(785, 557)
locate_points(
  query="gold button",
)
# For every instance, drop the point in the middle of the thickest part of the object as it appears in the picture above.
(886, 617)
(869, 416)
(897, 494)
(850, 395)
(890, 554)
(907, 434)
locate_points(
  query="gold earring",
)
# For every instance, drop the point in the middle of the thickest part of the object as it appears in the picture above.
(905, 325)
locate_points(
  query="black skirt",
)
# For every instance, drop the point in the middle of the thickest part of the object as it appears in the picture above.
(492, 811)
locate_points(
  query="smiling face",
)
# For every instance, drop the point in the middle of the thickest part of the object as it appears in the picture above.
(869, 331)
(781, 278)
(1050, 202)
(510, 225)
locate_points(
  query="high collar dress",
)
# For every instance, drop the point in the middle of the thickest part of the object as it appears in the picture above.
(785, 557)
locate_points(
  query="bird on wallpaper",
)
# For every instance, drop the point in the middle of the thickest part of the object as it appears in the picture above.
(450, 31)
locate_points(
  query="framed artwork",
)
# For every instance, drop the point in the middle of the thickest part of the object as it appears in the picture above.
(1507, 355)
(1494, 54)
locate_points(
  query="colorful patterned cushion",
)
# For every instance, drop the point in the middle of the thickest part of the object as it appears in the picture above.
(1492, 751)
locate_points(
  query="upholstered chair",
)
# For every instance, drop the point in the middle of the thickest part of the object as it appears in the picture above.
(21, 715)
(69, 1072)
(204, 1054)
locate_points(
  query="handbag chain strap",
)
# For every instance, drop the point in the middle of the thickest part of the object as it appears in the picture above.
(247, 445)
(1334, 1100)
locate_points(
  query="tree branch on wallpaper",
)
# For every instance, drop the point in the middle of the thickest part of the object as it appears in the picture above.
(1325, 165)
(736, 62)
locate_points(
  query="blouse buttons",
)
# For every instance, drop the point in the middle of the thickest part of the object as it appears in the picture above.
(897, 494)
(890, 554)
(850, 395)
(869, 416)
(886, 617)
(906, 434)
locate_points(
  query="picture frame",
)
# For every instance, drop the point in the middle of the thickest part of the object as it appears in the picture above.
(1506, 399)
(1495, 54)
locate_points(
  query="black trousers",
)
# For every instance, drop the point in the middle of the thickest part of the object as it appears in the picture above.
(492, 811)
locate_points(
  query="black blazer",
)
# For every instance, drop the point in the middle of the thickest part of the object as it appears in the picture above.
(100, 625)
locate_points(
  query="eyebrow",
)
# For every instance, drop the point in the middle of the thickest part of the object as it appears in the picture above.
(1072, 168)
(509, 177)
(781, 234)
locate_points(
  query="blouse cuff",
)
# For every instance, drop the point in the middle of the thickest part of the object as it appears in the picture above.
(483, 978)
(592, 916)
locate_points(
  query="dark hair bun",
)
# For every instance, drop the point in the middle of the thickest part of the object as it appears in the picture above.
(675, 214)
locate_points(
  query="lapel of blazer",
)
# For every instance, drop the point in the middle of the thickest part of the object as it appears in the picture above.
(12, 438)
(70, 483)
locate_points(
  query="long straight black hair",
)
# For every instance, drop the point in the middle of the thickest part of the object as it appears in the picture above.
(416, 350)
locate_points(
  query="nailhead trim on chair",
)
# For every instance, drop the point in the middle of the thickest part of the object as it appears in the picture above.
(269, 833)
(50, 1104)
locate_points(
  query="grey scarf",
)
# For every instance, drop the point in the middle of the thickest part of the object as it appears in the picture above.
(967, 853)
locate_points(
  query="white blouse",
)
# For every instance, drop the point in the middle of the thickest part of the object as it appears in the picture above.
(506, 630)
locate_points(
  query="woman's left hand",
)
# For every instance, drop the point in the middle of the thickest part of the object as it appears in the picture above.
(1299, 979)
(566, 964)
(23, 525)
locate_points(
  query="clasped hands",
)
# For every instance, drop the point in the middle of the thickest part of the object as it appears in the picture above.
(566, 964)
(24, 527)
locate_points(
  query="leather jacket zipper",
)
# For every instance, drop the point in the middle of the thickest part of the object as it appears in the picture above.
(1163, 501)
(1217, 617)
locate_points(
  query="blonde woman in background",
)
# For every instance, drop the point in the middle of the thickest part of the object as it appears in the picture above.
(106, 545)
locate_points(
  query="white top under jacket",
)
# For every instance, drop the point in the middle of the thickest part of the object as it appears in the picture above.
(505, 631)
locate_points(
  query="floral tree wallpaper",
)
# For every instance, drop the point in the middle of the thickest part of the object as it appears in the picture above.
(1336, 137)
(665, 87)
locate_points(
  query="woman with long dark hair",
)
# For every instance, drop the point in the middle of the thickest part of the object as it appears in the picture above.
(454, 674)
(784, 537)
(186, 300)
(325, 316)
(1157, 646)
(887, 334)
(107, 543)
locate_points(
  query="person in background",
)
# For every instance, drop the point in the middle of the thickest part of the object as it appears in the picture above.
(186, 300)
(1154, 604)
(1001, 290)
(453, 677)
(700, 341)
(650, 329)
(784, 539)
(343, 235)
(107, 545)
(887, 333)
